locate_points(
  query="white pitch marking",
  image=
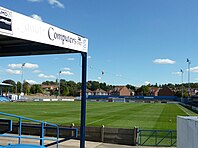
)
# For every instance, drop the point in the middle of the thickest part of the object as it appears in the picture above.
(99, 120)
(183, 110)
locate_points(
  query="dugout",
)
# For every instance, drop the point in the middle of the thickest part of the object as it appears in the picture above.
(21, 36)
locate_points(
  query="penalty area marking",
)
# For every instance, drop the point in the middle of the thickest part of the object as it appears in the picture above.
(183, 109)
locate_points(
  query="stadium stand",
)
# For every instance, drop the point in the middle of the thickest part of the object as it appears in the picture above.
(4, 99)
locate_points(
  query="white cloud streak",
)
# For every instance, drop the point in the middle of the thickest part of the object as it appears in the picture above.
(176, 73)
(27, 65)
(46, 76)
(31, 81)
(67, 69)
(14, 66)
(66, 73)
(164, 61)
(70, 59)
(194, 69)
(34, 1)
(36, 71)
(118, 75)
(15, 72)
(37, 17)
(56, 3)
(147, 82)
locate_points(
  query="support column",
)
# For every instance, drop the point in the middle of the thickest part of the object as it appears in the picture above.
(83, 101)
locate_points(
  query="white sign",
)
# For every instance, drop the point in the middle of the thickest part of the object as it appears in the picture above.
(19, 26)
(5, 21)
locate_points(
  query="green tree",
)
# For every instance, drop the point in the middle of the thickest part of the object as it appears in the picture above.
(49, 83)
(26, 87)
(143, 90)
(130, 87)
(18, 87)
(35, 89)
(93, 85)
(65, 91)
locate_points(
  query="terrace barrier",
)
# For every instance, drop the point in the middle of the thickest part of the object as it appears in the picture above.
(111, 135)
(36, 132)
(97, 134)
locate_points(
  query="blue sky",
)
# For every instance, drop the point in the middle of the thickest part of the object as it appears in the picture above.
(132, 41)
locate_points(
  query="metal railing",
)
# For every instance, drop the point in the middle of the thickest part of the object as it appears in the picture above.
(157, 137)
(41, 125)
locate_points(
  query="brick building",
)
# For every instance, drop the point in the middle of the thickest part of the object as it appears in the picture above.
(120, 91)
(165, 91)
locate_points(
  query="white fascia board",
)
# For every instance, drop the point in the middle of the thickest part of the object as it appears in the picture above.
(16, 25)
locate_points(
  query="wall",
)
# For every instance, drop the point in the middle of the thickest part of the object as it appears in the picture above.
(125, 92)
(187, 134)
(165, 91)
(97, 134)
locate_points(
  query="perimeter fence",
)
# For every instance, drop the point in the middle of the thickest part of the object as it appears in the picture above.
(165, 138)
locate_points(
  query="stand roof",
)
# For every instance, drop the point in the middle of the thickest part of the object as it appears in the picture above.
(22, 35)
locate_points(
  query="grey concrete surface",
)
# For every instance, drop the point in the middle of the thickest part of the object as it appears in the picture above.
(70, 144)
(76, 144)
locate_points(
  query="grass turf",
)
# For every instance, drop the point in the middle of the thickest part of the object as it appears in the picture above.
(125, 115)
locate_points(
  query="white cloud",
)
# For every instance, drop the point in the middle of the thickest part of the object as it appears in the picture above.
(15, 66)
(147, 82)
(56, 3)
(99, 78)
(194, 69)
(34, 0)
(16, 72)
(67, 69)
(118, 75)
(70, 59)
(27, 65)
(37, 17)
(30, 66)
(31, 81)
(46, 76)
(95, 80)
(36, 71)
(66, 73)
(163, 61)
(176, 73)
(89, 57)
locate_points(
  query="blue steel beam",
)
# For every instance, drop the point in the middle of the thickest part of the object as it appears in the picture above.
(83, 101)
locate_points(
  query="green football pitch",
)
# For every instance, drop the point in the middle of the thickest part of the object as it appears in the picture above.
(124, 115)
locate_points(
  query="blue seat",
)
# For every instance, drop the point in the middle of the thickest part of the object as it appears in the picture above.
(3, 99)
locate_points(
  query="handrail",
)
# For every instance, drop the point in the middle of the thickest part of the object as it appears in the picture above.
(43, 126)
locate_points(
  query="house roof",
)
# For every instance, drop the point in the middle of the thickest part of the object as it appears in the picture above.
(49, 86)
(99, 91)
(119, 88)
(88, 90)
(154, 89)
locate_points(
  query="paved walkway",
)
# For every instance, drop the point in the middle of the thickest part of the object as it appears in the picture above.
(70, 144)
(76, 144)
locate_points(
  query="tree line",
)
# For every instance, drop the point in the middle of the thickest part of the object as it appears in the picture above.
(67, 88)
(72, 88)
